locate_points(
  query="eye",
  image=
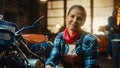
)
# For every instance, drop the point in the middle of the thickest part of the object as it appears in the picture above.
(80, 18)
(72, 16)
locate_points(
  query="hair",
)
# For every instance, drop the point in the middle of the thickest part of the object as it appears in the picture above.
(80, 8)
(114, 13)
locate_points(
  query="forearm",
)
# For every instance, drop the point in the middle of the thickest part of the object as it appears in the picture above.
(92, 56)
(53, 58)
(48, 66)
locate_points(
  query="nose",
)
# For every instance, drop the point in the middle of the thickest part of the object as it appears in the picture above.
(75, 19)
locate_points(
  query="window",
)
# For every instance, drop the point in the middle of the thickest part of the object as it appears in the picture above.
(55, 15)
(101, 11)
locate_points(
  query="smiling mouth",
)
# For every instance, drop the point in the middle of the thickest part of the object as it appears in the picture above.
(73, 25)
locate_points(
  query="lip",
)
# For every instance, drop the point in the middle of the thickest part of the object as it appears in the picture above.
(73, 25)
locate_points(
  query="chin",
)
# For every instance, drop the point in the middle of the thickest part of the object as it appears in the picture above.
(73, 29)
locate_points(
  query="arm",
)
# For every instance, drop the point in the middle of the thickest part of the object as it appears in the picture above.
(55, 53)
(90, 45)
(48, 66)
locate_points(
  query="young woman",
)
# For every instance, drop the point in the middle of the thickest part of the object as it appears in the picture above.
(74, 47)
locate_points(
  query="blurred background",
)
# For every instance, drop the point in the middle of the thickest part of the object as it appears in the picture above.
(25, 12)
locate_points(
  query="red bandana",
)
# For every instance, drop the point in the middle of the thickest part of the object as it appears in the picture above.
(70, 39)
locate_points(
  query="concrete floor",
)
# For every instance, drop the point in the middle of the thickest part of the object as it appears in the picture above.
(104, 63)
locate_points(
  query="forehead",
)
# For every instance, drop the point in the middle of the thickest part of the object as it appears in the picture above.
(76, 11)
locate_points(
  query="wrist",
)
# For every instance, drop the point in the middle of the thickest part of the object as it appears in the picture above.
(48, 66)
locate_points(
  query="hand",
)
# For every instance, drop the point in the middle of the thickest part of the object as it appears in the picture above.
(106, 32)
(48, 66)
(111, 28)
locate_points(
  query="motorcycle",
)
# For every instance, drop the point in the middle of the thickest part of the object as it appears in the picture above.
(11, 55)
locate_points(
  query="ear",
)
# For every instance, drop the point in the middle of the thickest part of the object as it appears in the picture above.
(67, 18)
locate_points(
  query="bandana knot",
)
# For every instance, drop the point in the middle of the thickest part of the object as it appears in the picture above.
(70, 39)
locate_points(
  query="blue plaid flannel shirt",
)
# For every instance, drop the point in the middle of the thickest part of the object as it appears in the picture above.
(88, 48)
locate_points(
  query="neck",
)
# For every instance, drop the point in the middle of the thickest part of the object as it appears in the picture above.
(71, 32)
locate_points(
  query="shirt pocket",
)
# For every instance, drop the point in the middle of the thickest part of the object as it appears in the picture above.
(79, 50)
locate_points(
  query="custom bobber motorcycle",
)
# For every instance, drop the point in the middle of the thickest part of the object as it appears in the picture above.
(11, 41)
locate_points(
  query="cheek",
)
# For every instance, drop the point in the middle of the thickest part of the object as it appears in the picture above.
(81, 23)
(68, 22)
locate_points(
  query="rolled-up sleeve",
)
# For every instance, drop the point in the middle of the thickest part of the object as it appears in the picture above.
(90, 47)
(54, 55)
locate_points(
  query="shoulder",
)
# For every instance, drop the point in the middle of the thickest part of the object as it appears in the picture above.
(89, 36)
(58, 39)
(110, 17)
(90, 40)
(59, 35)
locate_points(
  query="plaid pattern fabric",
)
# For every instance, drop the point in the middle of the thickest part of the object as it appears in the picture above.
(88, 48)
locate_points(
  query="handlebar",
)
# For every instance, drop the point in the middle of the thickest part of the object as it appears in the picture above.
(35, 24)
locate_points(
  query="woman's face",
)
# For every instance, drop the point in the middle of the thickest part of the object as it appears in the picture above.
(75, 20)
